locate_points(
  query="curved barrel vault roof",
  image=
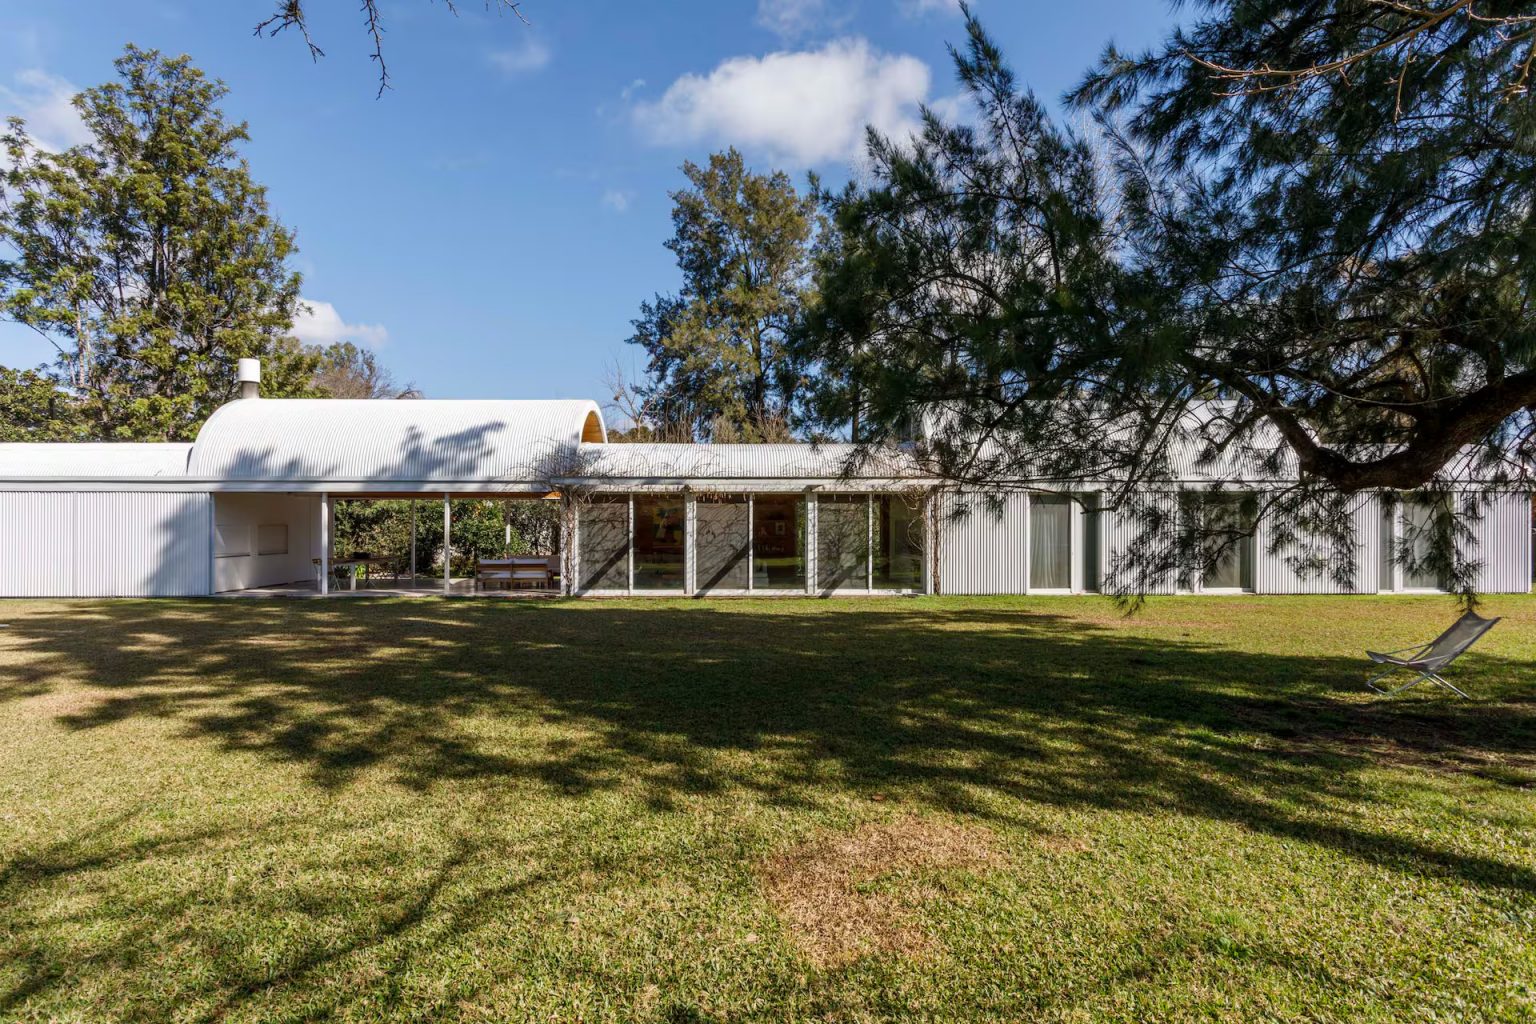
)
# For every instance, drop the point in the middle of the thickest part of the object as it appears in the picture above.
(385, 443)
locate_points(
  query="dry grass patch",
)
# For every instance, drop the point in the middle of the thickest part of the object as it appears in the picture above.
(855, 894)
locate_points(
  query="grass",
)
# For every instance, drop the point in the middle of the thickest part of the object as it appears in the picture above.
(931, 809)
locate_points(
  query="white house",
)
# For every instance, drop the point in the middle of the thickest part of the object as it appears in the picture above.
(248, 505)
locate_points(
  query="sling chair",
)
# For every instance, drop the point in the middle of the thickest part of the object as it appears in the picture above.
(1428, 659)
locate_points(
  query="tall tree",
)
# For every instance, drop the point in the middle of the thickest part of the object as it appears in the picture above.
(148, 256)
(1255, 268)
(346, 371)
(34, 408)
(719, 364)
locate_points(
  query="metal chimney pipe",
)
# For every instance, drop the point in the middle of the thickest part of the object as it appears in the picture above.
(248, 374)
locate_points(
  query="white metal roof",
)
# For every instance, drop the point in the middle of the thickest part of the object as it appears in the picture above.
(757, 464)
(95, 460)
(385, 443)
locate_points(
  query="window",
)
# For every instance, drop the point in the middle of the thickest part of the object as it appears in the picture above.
(231, 540)
(778, 542)
(659, 537)
(842, 541)
(1050, 542)
(1227, 516)
(603, 545)
(722, 537)
(272, 539)
(1093, 530)
(898, 543)
(1418, 543)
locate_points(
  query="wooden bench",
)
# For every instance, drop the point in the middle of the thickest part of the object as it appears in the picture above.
(514, 571)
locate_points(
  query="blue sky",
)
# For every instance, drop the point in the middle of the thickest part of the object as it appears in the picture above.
(492, 223)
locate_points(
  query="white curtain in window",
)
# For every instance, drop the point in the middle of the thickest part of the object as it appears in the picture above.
(1050, 543)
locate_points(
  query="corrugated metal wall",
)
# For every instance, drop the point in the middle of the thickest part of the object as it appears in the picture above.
(1505, 532)
(1274, 575)
(104, 544)
(1120, 530)
(982, 552)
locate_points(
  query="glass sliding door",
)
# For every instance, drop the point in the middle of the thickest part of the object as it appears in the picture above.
(778, 542)
(1050, 542)
(898, 543)
(1418, 542)
(1225, 515)
(603, 545)
(842, 541)
(659, 538)
(722, 540)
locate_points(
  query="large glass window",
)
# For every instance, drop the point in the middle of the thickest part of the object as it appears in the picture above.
(722, 537)
(1093, 531)
(604, 545)
(1050, 542)
(842, 541)
(659, 540)
(898, 543)
(778, 542)
(1225, 515)
(1418, 542)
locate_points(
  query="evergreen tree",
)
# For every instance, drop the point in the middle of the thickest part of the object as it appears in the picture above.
(148, 256)
(719, 364)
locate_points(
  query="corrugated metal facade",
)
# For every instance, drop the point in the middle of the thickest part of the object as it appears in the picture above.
(104, 544)
(982, 549)
(1274, 572)
(1120, 532)
(1505, 532)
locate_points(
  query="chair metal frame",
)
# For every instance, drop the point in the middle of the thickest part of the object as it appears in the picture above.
(1428, 669)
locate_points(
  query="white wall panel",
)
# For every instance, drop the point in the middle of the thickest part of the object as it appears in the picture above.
(1120, 530)
(141, 544)
(1273, 573)
(103, 544)
(239, 517)
(36, 544)
(1504, 548)
(982, 551)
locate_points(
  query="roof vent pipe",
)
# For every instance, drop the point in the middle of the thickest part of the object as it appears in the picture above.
(249, 376)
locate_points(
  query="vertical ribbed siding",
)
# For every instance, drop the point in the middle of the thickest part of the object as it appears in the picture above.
(1120, 529)
(983, 553)
(36, 534)
(104, 544)
(1504, 548)
(1274, 575)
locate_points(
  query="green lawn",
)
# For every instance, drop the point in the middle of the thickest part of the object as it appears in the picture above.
(928, 809)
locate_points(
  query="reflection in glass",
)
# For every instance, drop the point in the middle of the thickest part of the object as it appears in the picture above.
(842, 541)
(898, 543)
(604, 545)
(778, 542)
(722, 537)
(659, 538)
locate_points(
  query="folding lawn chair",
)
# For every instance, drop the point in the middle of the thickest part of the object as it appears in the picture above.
(1428, 659)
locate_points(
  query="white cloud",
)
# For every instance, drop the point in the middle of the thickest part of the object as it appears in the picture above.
(617, 199)
(915, 8)
(527, 56)
(792, 19)
(630, 89)
(43, 101)
(803, 107)
(320, 324)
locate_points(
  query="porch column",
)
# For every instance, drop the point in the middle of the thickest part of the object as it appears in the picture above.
(325, 543)
(506, 531)
(447, 544)
(413, 542)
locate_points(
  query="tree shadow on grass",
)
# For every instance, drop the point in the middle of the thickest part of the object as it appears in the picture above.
(979, 711)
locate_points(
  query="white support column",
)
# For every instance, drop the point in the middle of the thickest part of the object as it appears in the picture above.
(629, 587)
(751, 543)
(812, 532)
(447, 544)
(869, 541)
(690, 545)
(413, 542)
(506, 530)
(1075, 543)
(325, 543)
